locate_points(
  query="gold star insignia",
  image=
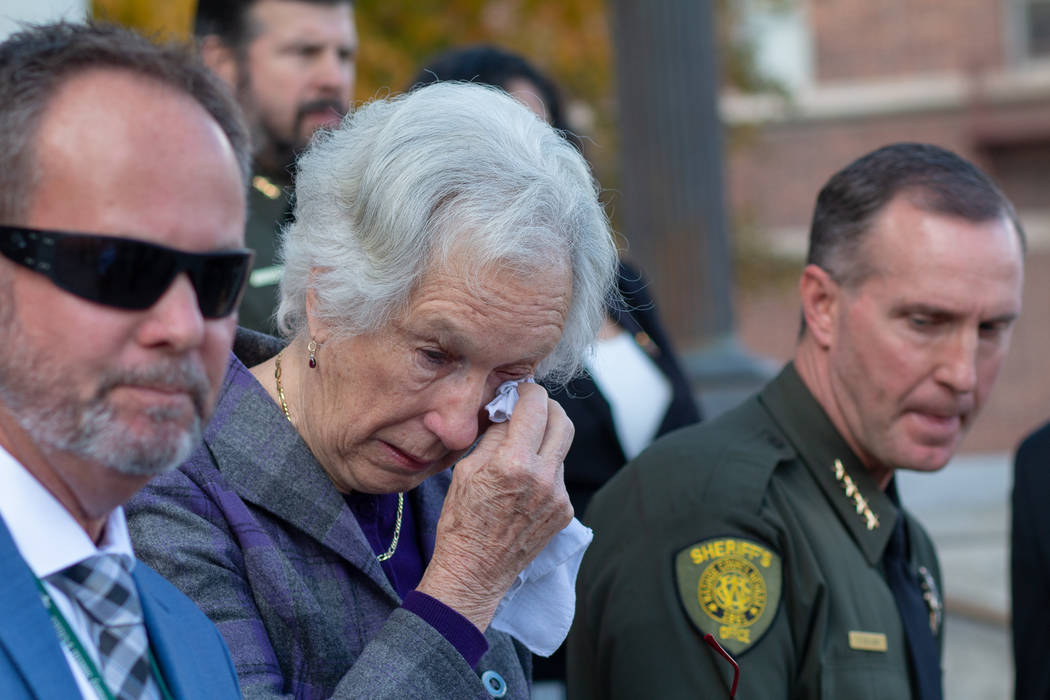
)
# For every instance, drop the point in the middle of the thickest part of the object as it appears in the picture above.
(267, 188)
(871, 520)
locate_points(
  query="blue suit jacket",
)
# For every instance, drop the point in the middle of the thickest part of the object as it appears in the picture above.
(190, 653)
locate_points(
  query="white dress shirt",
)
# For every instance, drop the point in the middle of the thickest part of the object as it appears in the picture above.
(50, 539)
(637, 392)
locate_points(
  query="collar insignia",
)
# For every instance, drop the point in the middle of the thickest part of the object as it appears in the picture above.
(871, 520)
(932, 597)
(265, 187)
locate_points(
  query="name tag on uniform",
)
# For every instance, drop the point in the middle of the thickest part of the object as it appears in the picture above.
(867, 641)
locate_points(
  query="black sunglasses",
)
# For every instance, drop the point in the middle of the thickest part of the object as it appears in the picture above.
(125, 273)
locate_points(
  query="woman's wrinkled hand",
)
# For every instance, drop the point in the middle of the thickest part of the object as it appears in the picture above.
(506, 501)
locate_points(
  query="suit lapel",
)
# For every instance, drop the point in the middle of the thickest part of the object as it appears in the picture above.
(164, 642)
(180, 663)
(26, 632)
(270, 466)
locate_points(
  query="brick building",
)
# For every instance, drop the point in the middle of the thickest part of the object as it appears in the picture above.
(971, 75)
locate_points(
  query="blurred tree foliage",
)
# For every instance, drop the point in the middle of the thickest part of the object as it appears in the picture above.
(568, 39)
(162, 18)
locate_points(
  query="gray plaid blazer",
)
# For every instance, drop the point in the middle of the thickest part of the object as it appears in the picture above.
(252, 530)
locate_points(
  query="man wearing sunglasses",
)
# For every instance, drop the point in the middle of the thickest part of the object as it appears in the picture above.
(121, 265)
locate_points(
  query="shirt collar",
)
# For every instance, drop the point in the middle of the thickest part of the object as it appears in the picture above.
(865, 510)
(47, 536)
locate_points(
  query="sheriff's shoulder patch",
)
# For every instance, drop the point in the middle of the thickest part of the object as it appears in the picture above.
(730, 588)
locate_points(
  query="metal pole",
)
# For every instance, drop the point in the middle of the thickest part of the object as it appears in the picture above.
(673, 194)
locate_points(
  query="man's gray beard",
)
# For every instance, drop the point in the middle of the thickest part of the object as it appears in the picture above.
(93, 432)
(34, 391)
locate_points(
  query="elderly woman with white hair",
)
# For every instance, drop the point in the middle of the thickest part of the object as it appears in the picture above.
(445, 242)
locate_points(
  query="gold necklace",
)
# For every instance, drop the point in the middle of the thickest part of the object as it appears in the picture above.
(280, 389)
(397, 529)
(400, 497)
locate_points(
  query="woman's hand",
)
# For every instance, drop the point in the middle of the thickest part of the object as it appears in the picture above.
(506, 501)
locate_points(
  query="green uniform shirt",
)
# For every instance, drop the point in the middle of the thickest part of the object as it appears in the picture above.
(762, 528)
(269, 208)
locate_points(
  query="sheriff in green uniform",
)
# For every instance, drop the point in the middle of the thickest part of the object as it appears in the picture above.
(776, 528)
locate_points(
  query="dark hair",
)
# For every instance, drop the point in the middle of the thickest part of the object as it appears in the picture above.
(228, 19)
(934, 179)
(36, 61)
(489, 65)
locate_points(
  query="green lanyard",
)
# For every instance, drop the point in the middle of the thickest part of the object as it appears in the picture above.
(70, 641)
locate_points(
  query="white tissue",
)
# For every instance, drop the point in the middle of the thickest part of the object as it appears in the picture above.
(506, 399)
(539, 607)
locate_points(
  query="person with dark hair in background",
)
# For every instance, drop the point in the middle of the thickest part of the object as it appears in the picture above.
(1030, 566)
(291, 65)
(776, 529)
(121, 230)
(491, 65)
(634, 389)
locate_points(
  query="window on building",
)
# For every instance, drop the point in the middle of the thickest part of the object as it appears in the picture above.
(1037, 28)
(779, 32)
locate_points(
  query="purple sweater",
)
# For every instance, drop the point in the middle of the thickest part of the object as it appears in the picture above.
(377, 514)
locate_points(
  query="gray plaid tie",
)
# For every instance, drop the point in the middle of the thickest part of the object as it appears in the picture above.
(107, 593)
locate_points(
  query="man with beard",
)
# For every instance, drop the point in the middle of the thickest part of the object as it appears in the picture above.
(291, 66)
(776, 530)
(121, 263)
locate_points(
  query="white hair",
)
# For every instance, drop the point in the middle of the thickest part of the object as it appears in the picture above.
(449, 170)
